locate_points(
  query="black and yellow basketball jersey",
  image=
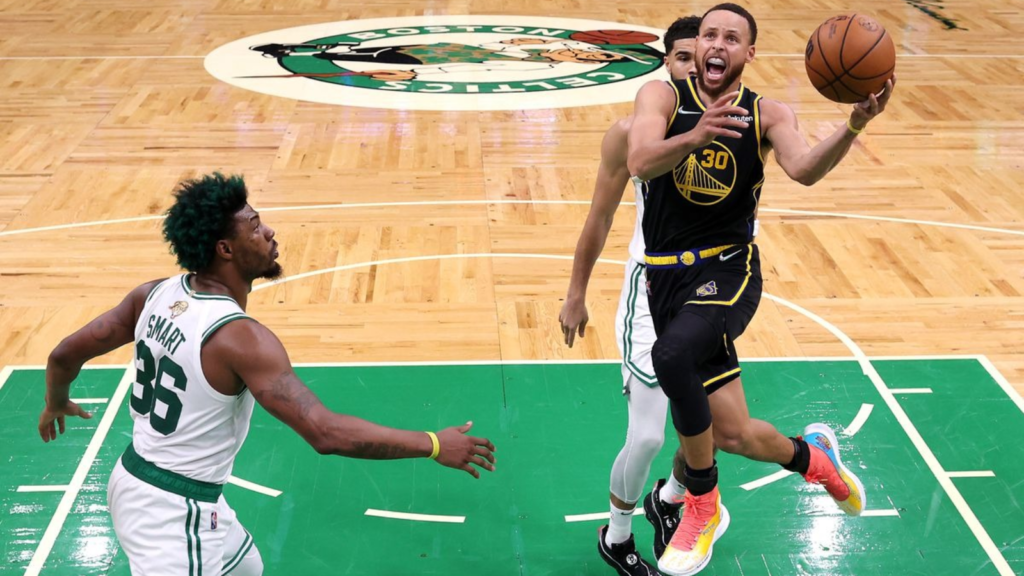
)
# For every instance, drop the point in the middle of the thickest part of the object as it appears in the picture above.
(710, 197)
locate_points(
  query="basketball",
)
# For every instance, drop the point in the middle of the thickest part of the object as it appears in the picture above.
(613, 37)
(850, 57)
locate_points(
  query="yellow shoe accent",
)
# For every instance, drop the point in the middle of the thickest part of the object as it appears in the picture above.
(683, 558)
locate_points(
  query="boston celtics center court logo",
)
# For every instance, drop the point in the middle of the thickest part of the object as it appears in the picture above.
(446, 62)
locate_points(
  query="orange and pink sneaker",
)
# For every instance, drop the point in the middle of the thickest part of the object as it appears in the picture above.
(703, 522)
(827, 469)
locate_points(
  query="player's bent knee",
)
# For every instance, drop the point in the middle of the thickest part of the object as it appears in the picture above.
(672, 356)
(648, 443)
(732, 441)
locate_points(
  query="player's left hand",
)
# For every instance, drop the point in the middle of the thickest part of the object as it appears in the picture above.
(866, 111)
(573, 317)
(47, 430)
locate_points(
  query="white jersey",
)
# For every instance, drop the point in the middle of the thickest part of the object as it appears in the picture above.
(182, 424)
(636, 245)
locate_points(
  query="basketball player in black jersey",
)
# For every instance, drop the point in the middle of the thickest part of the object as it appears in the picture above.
(700, 145)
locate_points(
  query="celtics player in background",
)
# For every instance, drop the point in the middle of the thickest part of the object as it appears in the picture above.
(647, 406)
(700, 146)
(201, 363)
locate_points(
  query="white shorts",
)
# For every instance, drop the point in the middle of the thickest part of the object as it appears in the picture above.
(166, 534)
(634, 327)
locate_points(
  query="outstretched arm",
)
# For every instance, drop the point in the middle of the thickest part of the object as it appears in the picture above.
(256, 356)
(108, 332)
(797, 158)
(612, 177)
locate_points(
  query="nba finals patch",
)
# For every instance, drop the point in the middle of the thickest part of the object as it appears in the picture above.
(709, 289)
(178, 309)
(446, 62)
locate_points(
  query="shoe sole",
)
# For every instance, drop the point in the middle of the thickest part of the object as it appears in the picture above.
(723, 525)
(827, 432)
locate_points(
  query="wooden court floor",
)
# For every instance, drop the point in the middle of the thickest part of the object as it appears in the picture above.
(447, 236)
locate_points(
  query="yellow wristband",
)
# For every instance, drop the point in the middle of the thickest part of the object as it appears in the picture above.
(851, 128)
(436, 444)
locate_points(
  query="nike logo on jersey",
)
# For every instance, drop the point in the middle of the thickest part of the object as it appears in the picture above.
(681, 111)
(724, 257)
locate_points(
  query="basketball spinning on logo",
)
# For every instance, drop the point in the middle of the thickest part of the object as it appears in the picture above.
(850, 57)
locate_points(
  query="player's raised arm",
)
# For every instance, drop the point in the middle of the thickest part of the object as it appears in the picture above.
(259, 359)
(650, 153)
(108, 332)
(612, 177)
(797, 158)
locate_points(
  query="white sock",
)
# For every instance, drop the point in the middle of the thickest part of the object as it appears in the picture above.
(673, 491)
(620, 526)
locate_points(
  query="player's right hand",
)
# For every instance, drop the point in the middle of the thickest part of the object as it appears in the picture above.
(573, 317)
(716, 121)
(458, 450)
(47, 429)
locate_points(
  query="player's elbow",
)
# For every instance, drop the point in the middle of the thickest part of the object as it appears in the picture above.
(320, 441)
(806, 177)
(639, 166)
(63, 356)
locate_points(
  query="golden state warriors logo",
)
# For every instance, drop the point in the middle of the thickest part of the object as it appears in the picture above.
(446, 62)
(707, 175)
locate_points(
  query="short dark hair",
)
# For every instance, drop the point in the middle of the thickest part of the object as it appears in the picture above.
(737, 9)
(203, 213)
(681, 29)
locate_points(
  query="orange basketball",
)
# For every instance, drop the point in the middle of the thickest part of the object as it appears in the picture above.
(613, 37)
(850, 57)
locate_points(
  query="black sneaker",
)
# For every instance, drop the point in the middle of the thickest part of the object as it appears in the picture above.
(664, 518)
(623, 557)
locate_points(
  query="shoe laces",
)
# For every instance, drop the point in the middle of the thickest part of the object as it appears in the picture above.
(697, 511)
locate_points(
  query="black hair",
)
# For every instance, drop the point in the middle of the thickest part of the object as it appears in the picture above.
(203, 213)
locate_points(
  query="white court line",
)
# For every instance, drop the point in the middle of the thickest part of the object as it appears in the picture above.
(876, 513)
(5, 373)
(499, 362)
(90, 400)
(1001, 380)
(891, 219)
(972, 474)
(597, 516)
(927, 455)
(53, 488)
(859, 420)
(415, 517)
(910, 390)
(253, 486)
(508, 202)
(865, 514)
(431, 257)
(766, 480)
(585, 361)
(64, 507)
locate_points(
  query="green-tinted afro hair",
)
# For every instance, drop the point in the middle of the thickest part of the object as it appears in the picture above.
(203, 213)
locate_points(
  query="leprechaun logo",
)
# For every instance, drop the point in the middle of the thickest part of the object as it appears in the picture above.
(446, 63)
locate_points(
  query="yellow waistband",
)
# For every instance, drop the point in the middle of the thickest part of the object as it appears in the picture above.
(687, 258)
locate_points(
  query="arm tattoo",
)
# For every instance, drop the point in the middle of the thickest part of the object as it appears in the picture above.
(377, 451)
(288, 389)
(102, 330)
